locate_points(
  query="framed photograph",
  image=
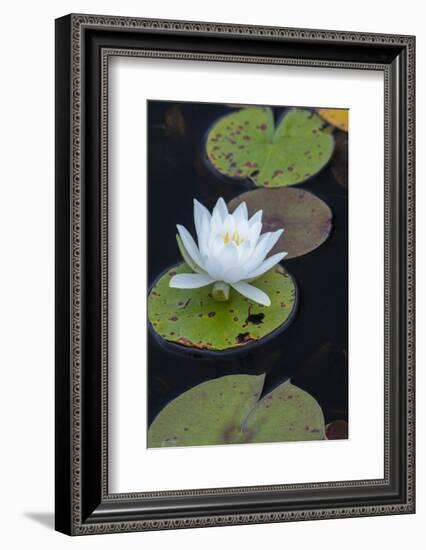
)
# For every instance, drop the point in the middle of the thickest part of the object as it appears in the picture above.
(234, 274)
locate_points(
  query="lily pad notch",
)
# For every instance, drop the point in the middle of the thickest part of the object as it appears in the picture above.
(245, 144)
(231, 410)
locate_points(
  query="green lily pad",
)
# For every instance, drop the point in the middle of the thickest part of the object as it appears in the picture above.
(246, 144)
(228, 410)
(306, 219)
(192, 318)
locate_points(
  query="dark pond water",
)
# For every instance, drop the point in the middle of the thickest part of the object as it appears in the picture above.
(313, 350)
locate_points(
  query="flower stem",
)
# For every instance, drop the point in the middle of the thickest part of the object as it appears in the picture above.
(220, 291)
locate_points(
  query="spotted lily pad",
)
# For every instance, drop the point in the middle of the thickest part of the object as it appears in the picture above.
(246, 144)
(192, 318)
(337, 117)
(306, 219)
(229, 410)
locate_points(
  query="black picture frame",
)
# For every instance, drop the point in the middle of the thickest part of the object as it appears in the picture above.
(83, 46)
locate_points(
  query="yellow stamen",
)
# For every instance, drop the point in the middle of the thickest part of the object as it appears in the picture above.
(235, 237)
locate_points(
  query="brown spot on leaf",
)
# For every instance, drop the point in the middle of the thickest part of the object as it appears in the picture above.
(255, 318)
(228, 434)
(185, 342)
(244, 337)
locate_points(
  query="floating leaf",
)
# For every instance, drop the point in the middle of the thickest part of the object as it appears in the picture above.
(175, 121)
(246, 144)
(338, 429)
(337, 117)
(339, 162)
(306, 219)
(191, 317)
(228, 410)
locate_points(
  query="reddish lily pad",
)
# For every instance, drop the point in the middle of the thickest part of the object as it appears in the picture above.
(228, 410)
(192, 318)
(306, 219)
(338, 429)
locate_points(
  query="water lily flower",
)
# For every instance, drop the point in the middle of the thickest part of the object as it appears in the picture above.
(230, 252)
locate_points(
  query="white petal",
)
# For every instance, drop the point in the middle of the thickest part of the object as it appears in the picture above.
(189, 244)
(200, 214)
(228, 225)
(221, 208)
(263, 237)
(273, 239)
(243, 229)
(213, 268)
(216, 223)
(228, 256)
(244, 252)
(203, 237)
(256, 218)
(266, 265)
(234, 275)
(259, 252)
(189, 280)
(215, 246)
(254, 232)
(252, 293)
(186, 257)
(240, 213)
(266, 242)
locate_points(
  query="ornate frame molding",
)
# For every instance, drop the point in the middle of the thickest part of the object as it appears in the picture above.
(72, 46)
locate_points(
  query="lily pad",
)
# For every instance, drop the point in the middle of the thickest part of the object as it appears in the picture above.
(192, 318)
(228, 410)
(175, 121)
(339, 162)
(306, 219)
(246, 144)
(338, 429)
(338, 118)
